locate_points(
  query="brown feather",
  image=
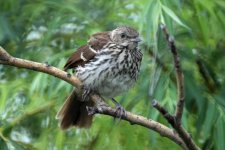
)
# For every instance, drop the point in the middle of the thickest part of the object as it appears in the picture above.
(76, 60)
(74, 112)
(96, 42)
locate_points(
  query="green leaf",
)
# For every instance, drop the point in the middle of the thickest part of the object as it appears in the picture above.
(169, 12)
(152, 18)
(210, 119)
(220, 136)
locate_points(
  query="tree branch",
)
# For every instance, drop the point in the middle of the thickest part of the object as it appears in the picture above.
(175, 121)
(179, 75)
(164, 112)
(7, 59)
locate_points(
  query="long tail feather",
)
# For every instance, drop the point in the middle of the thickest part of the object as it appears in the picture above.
(74, 112)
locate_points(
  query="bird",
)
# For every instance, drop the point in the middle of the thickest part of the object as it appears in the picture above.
(108, 65)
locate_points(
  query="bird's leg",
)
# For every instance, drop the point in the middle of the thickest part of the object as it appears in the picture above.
(86, 92)
(99, 103)
(68, 75)
(120, 111)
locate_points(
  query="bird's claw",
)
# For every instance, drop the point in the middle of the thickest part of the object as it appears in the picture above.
(47, 64)
(68, 75)
(91, 110)
(120, 111)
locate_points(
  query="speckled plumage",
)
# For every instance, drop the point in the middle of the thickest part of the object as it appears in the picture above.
(108, 65)
(113, 71)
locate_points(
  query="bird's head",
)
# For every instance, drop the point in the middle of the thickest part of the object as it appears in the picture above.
(125, 36)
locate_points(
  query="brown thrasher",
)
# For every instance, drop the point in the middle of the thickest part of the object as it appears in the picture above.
(108, 65)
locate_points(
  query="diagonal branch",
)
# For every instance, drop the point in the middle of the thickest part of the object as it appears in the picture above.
(164, 112)
(179, 75)
(175, 121)
(180, 130)
(7, 59)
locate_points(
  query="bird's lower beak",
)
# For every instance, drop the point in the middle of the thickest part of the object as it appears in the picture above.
(136, 40)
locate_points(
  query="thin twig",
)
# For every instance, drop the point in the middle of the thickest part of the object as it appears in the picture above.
(164, 112)
(179, 75)
(205, 75)
(175, 121)
(7, 59)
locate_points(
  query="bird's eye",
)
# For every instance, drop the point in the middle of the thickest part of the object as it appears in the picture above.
(123, 35)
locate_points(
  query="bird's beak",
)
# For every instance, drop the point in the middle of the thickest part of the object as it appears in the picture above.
(137, 39)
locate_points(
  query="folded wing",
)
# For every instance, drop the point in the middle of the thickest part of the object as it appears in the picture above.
(87, 52)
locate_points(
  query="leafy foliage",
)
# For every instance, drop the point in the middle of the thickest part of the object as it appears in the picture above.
(49, 31)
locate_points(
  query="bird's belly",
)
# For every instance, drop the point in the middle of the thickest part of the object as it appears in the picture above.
(115, 85)
(110, 75)
(105, 81)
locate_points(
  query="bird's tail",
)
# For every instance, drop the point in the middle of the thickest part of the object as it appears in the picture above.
(74, 112)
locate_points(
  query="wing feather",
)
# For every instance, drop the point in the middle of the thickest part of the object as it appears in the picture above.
(87, 52)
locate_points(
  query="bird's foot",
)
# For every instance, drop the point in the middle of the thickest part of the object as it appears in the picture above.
(91, 110)
(68, 75)
(47, 64)
(120, 111)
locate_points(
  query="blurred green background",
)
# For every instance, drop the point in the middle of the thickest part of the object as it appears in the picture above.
(50, 30)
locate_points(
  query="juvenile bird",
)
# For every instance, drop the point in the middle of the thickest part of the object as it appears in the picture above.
(108, 65)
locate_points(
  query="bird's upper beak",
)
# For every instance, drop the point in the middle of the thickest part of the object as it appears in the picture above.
(137, 39)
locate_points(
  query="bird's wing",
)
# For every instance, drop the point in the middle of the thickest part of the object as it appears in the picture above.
(87, 52)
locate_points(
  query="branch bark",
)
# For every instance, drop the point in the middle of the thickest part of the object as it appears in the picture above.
(179, 75)
(104, 109)
(175, 120)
